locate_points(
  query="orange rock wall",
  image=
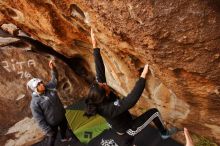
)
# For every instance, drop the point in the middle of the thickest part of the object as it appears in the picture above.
(179, 39)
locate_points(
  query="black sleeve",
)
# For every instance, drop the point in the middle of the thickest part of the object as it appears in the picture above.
(99, 66)
(121, 105)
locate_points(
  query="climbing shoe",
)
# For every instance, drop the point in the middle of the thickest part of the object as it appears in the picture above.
(169, 133)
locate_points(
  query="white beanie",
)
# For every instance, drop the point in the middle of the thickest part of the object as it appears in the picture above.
(32, 84)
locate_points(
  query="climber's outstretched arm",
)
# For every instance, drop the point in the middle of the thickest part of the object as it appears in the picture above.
(99, 65)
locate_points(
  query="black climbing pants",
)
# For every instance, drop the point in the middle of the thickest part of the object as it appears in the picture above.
(63, 126)
(139, 123)
(111, 137)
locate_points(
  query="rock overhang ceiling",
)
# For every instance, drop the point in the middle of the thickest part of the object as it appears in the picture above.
(179, 39)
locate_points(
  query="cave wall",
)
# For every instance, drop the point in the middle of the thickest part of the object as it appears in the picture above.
(179, 39)
(19, 62)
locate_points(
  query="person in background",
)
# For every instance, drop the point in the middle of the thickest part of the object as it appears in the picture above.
(47, 109)
(101, 100)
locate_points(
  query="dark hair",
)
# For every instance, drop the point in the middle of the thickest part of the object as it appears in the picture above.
(95, 97)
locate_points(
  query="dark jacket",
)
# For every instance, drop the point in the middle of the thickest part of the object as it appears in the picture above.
(116, 112)
(47, 108)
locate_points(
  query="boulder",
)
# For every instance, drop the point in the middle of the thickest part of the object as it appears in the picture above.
(18, 64)
(179, 39)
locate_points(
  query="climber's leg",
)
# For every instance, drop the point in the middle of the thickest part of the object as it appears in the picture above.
(64, 129)
(50, 140)
(145, 119)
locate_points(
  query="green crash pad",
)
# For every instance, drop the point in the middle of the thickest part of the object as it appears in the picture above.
(83, 127)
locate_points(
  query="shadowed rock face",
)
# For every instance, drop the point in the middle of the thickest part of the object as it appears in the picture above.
(18, 64)
(179, 39)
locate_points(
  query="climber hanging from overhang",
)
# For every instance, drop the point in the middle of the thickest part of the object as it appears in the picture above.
(101, 100)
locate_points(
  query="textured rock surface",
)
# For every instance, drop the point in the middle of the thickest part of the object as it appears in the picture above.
(179, 39)
(25, 132)
(17, 66)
